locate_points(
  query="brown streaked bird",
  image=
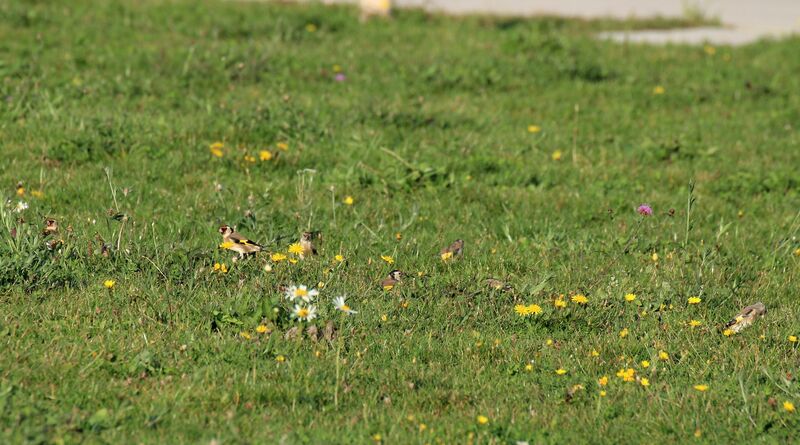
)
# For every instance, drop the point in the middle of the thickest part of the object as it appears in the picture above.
(307, 243)
(496, 284)
(453, 250)
(746, 317)
(392, 279)
(237, 243)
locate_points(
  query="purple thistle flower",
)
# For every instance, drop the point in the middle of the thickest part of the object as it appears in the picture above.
(340, 77)
(645, 210)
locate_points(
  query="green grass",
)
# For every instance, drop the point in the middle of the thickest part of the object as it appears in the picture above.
(110, 107)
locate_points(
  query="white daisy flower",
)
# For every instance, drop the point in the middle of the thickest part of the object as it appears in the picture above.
(342, 306)
(304, 313)
(21, 206)
(302, 292)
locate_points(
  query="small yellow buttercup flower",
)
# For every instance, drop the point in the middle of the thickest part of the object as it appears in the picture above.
(534, 128)
(482, 420)
(788, 406)
(654, 257)
(694, 300)
(793, 338)
(556, 155)
(282, 146)
(384, 317)
(644, 382)
(265, 155)
(701, 388)
(262, 329)
(695, 323)
(109, 284)
(348, 200)
(388, 259)
(561, 371)
(630, 297)
(595, 353)
(602, 393)
(245, 335)
(663, 355)
(623, 333)
(727, 332)
(529, 367)
(339, 258)
(645, 363)
(447, 255)
(603, 381)
(216, 149)
(580, 299)
(280, 359)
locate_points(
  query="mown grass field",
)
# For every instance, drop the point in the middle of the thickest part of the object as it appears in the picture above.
(528, 139)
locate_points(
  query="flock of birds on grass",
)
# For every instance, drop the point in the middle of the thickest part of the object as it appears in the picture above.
(244, 247)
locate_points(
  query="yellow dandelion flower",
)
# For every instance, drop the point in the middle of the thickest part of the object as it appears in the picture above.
(282, 146)
(339, 258)
(603, 381)
(296, 248)
(293, 260)
(698, 433)
(627, 375)
(20, 191)
(388, 259)
(534, 128)
(561, 371)
(534, 309)
(663, 355)
(658, 90)
(216, 149)
(710, 50)
(560, 303)
(645, 364)
(447, 255)
(262, 329)
(644, 382)
(727, 332)
(226, 245)
(348, 200)
(623, 333)
(654, 257)
(280, 359)
(580, 299)
(109, 284)
(793, 338)
(521, 309)
(549, 342)
(630, 297)
(529, 367)
(694, 300)
(311, 27)
(556, 155)
(788, 406)
(376, 437)
(482, 420)
(384, 317)
(398, 236)
(265, 155)
(602, 393)
(695, 323)
(245, 335)
(701, 388)
(388, 287)
(595, 353)
(277, 257)
(250, 159)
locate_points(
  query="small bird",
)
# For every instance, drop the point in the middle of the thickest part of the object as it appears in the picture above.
(392, 279)
(307, 243)
(237, 243)
(453, 250)
(496, 284)
(50, 227)
(746, 317)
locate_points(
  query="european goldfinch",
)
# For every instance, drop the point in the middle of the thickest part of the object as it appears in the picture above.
(496, 284)
(453, 250)
(51, 228)
(392, 279)
(237, 243)
(746, 317)
(307, 243)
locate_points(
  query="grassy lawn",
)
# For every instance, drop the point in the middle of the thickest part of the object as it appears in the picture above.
(529, 140)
